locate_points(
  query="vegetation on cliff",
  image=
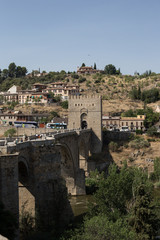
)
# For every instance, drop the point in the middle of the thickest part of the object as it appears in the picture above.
(124, 208)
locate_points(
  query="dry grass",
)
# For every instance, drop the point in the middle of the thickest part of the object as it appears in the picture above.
(141, 160)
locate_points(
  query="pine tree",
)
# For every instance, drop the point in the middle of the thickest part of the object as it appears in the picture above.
(144, 220)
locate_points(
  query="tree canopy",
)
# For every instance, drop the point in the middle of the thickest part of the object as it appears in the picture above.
(123, 208)
(111, 70)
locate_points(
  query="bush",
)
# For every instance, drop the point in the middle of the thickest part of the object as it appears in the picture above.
(138, 131)
(81, 80)
(10, 132)
(74, 75)
(97, 81)
(131, 159)
(64, 104)
(113, 146)
(151, 131)
(139, 143)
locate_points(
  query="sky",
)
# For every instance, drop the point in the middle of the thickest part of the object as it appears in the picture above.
(56, 35)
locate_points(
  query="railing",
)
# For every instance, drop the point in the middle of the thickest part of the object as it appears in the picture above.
(37, 137)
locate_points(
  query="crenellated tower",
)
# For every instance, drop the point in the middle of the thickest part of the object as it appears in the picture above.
(86, 112)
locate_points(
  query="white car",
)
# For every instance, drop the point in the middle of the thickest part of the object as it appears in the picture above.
(124, 129)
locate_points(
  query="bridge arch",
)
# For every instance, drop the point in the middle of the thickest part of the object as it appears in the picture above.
(67, 167)
(23, 173)
(26, 196)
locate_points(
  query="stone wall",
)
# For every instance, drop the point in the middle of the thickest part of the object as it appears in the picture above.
(9, 182)
(116, 136)
(26, 131)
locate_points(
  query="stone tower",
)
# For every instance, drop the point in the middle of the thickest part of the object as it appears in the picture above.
(85, 112)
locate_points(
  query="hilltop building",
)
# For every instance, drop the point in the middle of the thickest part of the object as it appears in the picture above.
(85, 70)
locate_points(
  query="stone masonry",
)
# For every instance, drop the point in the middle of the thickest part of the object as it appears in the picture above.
(85, 112)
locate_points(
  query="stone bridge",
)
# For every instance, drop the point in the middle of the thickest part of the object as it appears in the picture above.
(34, 174)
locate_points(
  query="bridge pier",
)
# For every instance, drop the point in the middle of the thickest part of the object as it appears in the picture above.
(9, 184)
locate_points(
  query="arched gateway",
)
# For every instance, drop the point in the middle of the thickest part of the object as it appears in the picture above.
(85, 112)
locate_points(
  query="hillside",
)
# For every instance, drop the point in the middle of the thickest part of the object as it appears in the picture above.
(114, 89)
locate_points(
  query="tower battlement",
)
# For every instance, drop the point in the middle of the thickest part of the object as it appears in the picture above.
(84, 96)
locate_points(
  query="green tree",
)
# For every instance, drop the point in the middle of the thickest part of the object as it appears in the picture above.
(111, 70)
(95, 67)
(152, 131)
(113, 193)
(129, 113)
(157, 168)
(10, 132)
(151, 117)
(144, 220)
(5, 73)
(24, 71)
(12, 69)
(64, 104)
(83, 65)
(100, 228)
(18, 71)
(139, 93)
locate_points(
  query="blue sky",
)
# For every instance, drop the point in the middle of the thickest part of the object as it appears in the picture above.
(56, 35)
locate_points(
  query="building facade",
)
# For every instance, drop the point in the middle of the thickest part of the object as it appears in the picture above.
(85, 70)
(117, 122)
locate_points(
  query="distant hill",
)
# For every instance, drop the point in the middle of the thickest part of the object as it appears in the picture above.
(114, 89)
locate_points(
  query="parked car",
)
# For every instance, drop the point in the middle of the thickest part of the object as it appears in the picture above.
(124, 129)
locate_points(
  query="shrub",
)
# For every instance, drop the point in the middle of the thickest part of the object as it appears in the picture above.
(139, 143)
(10, 132)
(88, 83)
(131, 159)
(64, 104)
(74, 75)
(81, 80)
(113, 146)
(138, 131)
(97, 81)
(151, 131)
